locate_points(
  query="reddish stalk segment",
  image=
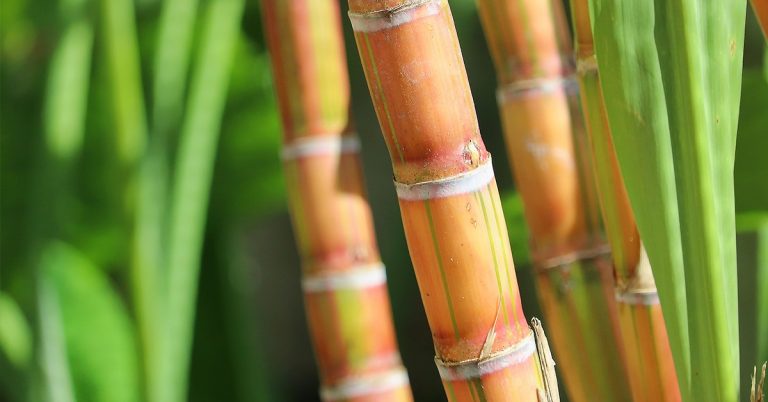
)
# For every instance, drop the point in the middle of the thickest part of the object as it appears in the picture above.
(344, 281)
(449, 201)
(761, 11)
(649, 358)
(551, 162)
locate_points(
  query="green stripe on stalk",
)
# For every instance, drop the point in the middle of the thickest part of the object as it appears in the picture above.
(348, 303)
(443, 276)
(380, 90)
(512, 287)
(488, 230)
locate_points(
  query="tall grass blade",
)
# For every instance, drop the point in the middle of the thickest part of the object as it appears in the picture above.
(68, 82)
(192, 180)
(171, 66)
(701, 45)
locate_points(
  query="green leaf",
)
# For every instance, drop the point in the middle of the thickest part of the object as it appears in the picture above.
(100, 339)
(671, 72)
(191, 186)
(512, 204)
(15, 334)
(632, 86)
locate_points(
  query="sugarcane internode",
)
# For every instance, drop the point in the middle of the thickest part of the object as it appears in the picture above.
(449, 201)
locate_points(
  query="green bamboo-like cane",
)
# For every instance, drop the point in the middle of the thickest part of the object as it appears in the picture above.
(671, 76)
(192, 180)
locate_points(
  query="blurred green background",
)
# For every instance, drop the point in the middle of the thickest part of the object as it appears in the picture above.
(67, 217)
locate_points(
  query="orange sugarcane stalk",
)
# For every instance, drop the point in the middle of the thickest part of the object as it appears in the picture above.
(449, 202)
(343, 278)
(551, 162)
(761, 11)
(649, 358)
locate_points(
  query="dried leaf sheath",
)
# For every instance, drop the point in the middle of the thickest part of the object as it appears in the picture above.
(649, 359)
(343, 278)
(449, 201)
(551, 160)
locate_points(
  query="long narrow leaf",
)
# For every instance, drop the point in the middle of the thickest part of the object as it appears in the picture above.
(702, 44)
(192, 180)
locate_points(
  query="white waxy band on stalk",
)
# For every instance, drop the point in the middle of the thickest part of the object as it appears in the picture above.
(321, 145)
(403, 14)
(464, 183)
(359, 277)
(641, 298)
(536, 86)
(478, 368)
(367, 385)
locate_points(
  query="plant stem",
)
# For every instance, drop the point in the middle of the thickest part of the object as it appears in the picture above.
(343, 277)
(449, 202)
(191, 185)
(551, 161)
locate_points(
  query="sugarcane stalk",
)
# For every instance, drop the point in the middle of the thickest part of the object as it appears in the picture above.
(343, 278)
(649, 360)
(761, 12)
(449, 203)
(551, 162)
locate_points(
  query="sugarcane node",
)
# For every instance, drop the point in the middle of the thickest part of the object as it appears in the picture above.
(463, 183)
(639, 287)
(472, 154)
(387, 17)
(320, 145)
(566, 261)
(477, 367)
(536, 86)
(374, 383)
